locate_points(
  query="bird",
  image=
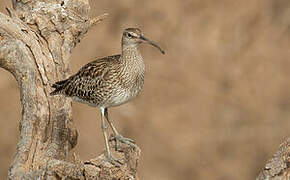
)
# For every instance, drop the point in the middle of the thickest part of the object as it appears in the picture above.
(108, 82)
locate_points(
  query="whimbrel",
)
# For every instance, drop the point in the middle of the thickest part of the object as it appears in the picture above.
(109, 81)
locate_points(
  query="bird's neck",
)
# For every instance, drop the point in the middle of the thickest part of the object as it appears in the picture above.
(131, 56)
(131, 53)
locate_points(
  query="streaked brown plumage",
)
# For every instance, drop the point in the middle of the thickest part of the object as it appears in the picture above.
(109, 81)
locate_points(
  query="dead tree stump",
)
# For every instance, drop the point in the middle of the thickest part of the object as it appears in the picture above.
(36, 41)
(278, 167)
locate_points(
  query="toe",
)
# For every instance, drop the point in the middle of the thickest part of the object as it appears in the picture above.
(124, 140)
(114, 161)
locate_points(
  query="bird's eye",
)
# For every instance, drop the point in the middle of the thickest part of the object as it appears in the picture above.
(129, 35)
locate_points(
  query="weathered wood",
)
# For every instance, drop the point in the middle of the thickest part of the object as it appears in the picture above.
(36, 41)
(278, 167)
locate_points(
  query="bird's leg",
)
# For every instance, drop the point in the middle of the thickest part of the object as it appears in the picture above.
(109, 156)
(117, 136)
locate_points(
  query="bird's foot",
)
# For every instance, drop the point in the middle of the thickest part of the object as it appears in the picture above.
(114, 161)
(119, 138)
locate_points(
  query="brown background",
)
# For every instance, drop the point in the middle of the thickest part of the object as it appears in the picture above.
(216, 106)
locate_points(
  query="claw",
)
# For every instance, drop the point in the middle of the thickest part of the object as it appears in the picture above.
(118, 138)
(114, 161)
(125, 140)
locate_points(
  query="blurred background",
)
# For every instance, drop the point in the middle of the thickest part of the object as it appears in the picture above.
(216, 106)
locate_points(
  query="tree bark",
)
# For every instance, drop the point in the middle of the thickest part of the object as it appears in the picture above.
(278, 167)
(36, 41)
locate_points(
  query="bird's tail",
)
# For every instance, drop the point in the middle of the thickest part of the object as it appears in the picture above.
(60, 85)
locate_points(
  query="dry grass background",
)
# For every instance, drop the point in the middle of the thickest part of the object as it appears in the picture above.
(216, 106)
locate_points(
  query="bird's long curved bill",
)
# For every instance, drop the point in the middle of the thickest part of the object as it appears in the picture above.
(152, 43)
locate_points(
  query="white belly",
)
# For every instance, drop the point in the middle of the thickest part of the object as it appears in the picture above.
(121, 97)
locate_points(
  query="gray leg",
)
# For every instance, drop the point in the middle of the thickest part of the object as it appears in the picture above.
(117, 136)
(104, 128)
(110, 158)
(110, 123)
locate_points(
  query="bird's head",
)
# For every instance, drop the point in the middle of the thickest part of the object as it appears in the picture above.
(132, 37)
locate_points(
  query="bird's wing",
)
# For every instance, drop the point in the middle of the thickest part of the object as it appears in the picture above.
(87, 79)
(98, 68)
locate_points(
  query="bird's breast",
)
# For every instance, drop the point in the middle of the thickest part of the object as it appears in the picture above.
(130, 85)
